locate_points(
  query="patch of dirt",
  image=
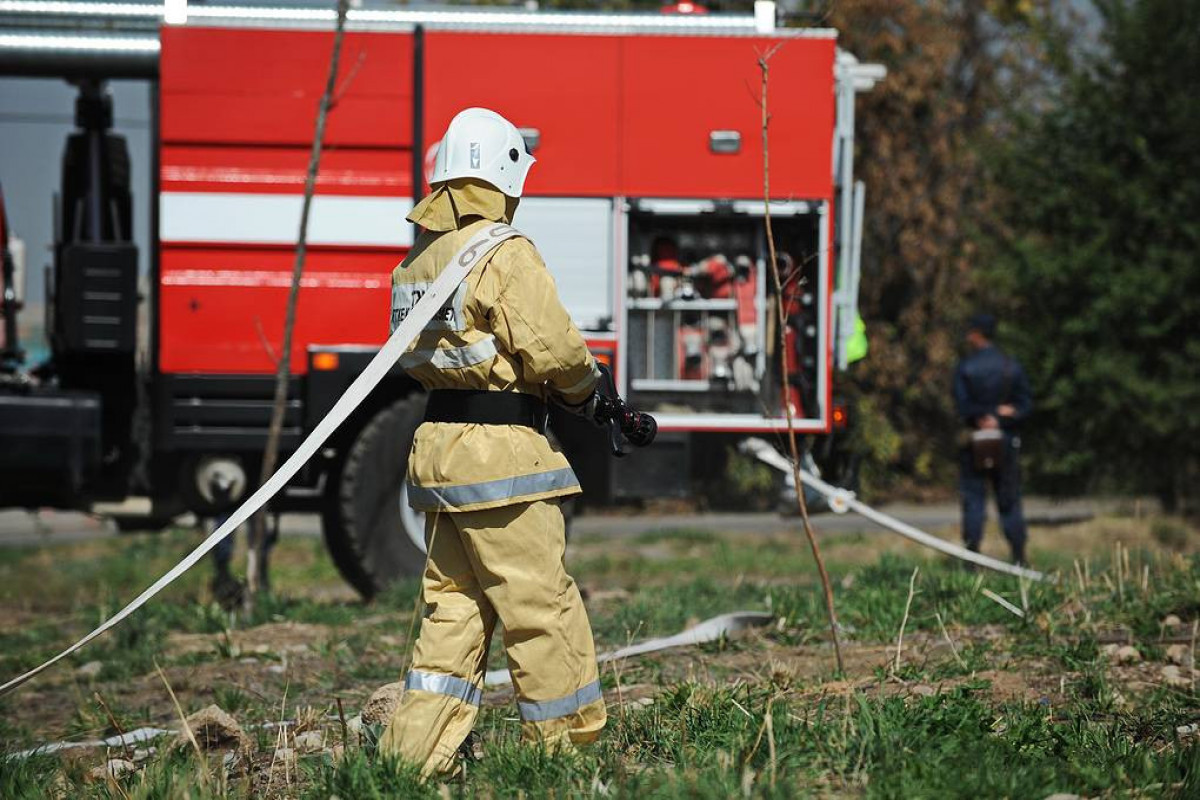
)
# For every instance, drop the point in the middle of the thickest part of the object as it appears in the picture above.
(809, 669)
(274, 638)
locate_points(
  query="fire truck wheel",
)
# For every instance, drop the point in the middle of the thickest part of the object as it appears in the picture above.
(364, 529)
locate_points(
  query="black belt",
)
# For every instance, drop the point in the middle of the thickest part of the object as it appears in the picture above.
(477, 407)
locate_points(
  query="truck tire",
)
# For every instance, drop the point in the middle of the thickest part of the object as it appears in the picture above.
(371, 541)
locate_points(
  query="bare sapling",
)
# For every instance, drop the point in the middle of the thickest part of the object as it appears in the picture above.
(912, 589)
(256, 577)
(785, 376)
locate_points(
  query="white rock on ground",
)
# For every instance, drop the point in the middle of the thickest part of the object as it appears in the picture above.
(214, 728)
(284, 757)
(1180, 654)
(113, 768)
(1175, 677)
(90, 670)
(1125, 654)
(379, 707)
(309, 741)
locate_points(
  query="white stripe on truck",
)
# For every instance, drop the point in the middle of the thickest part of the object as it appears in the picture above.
(237, 217)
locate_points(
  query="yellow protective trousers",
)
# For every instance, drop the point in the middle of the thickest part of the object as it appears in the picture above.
(499, 563)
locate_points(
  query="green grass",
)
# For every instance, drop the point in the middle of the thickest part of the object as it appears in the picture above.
(705, 734)
(704, 742)
(79, 587)
(660, 610)
(700, 742)
(692, 553)
(176, 774)
(677, 535)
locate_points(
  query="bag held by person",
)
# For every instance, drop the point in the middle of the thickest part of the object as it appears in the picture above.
(987, 448)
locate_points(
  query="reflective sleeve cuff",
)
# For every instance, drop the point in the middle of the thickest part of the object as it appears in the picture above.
(582, 389)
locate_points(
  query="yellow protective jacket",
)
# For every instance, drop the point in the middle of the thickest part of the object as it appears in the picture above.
(504, 330)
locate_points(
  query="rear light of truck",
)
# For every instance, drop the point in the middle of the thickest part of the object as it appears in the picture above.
(840, 418)
(325, 362)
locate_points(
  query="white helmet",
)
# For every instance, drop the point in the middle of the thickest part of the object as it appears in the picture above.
(482, 144)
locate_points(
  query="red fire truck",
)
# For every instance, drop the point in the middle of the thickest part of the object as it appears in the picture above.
(646, 203)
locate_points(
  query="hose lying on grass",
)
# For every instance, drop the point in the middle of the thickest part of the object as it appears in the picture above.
(708, 631)
(843, 500)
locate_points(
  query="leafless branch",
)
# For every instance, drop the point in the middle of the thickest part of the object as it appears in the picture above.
(116, 725)
(256, 558)
(348, 80)
(785, 378)
(187, 729)
(262, 338)
(912, 587)
(953, 650)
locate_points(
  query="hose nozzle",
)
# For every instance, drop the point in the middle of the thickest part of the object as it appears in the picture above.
(624, 424)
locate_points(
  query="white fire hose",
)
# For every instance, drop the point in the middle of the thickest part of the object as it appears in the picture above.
(843, 500)
(430, 303)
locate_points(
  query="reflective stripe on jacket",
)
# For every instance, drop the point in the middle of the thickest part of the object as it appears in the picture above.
(504, 330)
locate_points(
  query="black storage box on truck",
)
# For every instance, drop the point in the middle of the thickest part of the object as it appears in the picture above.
(51, 447)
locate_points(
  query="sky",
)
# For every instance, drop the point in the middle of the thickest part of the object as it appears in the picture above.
(36, 115)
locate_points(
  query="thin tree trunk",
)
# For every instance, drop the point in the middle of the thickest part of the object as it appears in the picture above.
(256, 577)
(785, 376)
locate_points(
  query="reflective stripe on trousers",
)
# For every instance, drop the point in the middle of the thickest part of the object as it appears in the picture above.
(448, 685)
(542, 710)
(468, 494)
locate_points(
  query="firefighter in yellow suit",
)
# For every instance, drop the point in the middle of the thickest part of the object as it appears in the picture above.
(482, 469)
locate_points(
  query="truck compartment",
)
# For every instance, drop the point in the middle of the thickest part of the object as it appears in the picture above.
(702, 318)
(680, 140)
(227, 86)
(558, 89)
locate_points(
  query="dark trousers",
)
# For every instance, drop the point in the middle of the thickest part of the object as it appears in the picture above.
(223, 551)
(1006, 483)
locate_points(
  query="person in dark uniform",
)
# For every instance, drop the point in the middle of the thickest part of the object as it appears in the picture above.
(991, 392)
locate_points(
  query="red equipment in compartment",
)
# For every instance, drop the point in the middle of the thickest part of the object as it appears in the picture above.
(665, 268)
